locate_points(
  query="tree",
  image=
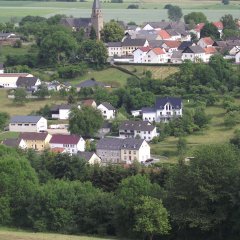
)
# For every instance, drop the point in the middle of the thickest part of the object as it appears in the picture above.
(4, 117)
(209, 30)
(181, 145)
(228, 22)
(112, 32)
(85, 121)
(231, 119)
(235, 140)
(93, 34)
(42, 91)
(174, 13)
(20, 95)
(196, 17)
(151, 217)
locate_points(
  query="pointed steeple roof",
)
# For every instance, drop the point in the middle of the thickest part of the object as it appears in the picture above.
(96, 4)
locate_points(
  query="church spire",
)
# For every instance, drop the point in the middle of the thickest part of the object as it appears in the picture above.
(97, 18)
(96, 5)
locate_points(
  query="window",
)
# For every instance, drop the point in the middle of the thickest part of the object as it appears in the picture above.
(19, 124)
(129, 152)
(125, 152)
(26, 124)
(134, 152)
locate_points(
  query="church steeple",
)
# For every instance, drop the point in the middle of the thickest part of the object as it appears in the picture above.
(97, 18)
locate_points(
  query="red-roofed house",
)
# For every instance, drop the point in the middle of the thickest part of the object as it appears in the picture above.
(209, 51)
(89, 103)
(198, 29)
(205, 42)
(170, 47)
(71, 143)
(163, 35)
(139, 54)
(156, 55)
(219, 26)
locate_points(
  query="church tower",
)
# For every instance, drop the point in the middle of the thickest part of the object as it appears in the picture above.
(97, 18)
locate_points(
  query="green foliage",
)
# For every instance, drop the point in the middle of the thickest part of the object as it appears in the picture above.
(181, 146)
(4, 117)
(228, 22)
(72, 71)
(235, 140)
(20, 95)
(151, 217)
(196, 17)
(42, 91)
(93, 34)
(225, 2)
(231, 119)
(85, 121)
(45, 111)
(133, 6)
(174, 13)
(210, 30)
(112, 32)
(17, 44)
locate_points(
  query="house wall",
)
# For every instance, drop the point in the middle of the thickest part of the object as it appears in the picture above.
(94, 159)
(144, 152)
(237, 57)
(138, 56)
(107, 114)
(129, 155)
(114, 51)
(81, 145)
(149, 116)
(193, 57)
(64, 114)
(109, 156)
(69, 148)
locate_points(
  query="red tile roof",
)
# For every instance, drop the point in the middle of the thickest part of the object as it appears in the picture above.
(172, 44)
(199, 27)
(158, 51)
(210, 50)
(144, 49)
(208, 40)
(219, 25)
(88, 102)
(33, 136)
(64, 139)
(58, 150)
(164, 34)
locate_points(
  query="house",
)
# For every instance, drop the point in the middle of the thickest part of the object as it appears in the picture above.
(165, 109)
(9, 80)
(142, 129)
(71, 143)
(176, 57)
(107, 110)
(205, 42)
(209, 51)
(29, 83)
(129, 45)
(219, 26)
(139, 54)
(1, 68)
(156, 55)
(193, 53)
(62, 111)
(117, 150)
(91, 83)
(90, 157)
(15, 143)
(8, 38)
(163, 35)
(170, 47)
(35, 140)
(114, 49)
(197, 29)
(174, 35)
(89, 103)
(58, 150)
(237, 58)
(28, 124)
(185, 44)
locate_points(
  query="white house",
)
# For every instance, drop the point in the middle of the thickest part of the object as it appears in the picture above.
(156, 55)
(114, 49)
(177, 57)
(139, 54)
(107, 110)
(28, 124)
(29, 83)
(9, 80)
(205, 42)
(129, 45)
(90, 157)
(62, 111)
(237, 58)
(209, 51)
(71, 144)
(15, 142)
(194, 54)
(164, 110)
(1, 68)
(138, 129)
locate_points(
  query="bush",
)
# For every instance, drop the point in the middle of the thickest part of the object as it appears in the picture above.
(133, 6)
(17, 44)
(72, 71)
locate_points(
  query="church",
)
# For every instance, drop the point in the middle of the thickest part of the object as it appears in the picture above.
(96, 21)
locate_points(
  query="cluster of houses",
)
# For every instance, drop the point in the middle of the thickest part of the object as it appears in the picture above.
(169, 42)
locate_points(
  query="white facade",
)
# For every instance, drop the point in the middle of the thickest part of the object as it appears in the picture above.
(114, 51)
(70, 148)
(237, 58)
(139, 55)
(194, 57)
(40, 126)
(107, 113)
(9, 80)
(204, 42)
(156, 57)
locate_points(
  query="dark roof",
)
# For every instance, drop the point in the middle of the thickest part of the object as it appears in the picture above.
(168, 25)
(114, 44)
(137, 126)
(107, 125)
(148, 110)
(118, 143)
(96, 4)
(76, 22)
(90, 83)
(12, 142)
(5, 34)
(139, 42)
(85, 155)
(175, 102)
(172, 32)
(185, 44)
(62, 106)
(156, 43)
(26, 81)
(65, 139)
(177, 54)
(1, 66)
(25, 119)
(33, 136)
(108, 106)
(194, 49)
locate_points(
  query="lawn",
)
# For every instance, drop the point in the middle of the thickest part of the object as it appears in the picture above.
(20, 235)
(149, 10)
(215, 133)
(7, 105)
(5, 135)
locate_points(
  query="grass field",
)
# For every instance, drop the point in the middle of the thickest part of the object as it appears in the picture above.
(215, 133)
(149, 10)
(20, 235)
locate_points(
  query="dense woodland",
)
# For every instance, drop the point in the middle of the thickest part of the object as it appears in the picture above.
(197, 199)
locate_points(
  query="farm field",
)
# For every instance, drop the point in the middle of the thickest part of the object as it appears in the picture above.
(20, 235)
(215, 133)
(150, 10)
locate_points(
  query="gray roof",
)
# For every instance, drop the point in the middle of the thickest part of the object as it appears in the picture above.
(137, 126)
(138, 42)
(118, 144)
(26, 82)
(76, 22)
(85, 155)
(172, 32)
(114, 44)
(108, 106)
(148, 110)
(90, 83)
(62, 106)
(96, 4)
(174, 101)
(1, 66)
(5, 35)
(12, 142)
(177, 54)
(25, 119)
(156, 43)
(194, 49)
